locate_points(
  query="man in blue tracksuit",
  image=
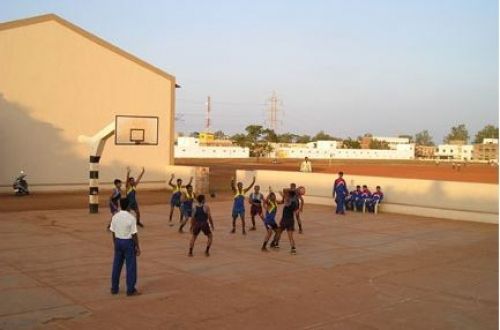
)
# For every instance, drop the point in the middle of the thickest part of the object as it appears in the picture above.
(339, 193)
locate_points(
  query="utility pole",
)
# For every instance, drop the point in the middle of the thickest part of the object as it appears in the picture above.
(207, 122)
(273, 111)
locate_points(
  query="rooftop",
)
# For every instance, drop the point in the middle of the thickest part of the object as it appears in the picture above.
(357, 271)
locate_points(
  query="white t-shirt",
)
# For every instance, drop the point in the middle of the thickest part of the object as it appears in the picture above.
(123, 224)
(306, 166)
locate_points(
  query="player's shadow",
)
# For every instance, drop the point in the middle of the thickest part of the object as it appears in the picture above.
(44, 152)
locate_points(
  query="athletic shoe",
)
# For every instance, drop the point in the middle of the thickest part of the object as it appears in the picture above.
(207, 254)
(293, 251)
(300, 231)
(264, 249)
(232, 231)
(134, 293)
(253, 228)
(244, 232)
(140, 224)
(190, 254)
(114, 292)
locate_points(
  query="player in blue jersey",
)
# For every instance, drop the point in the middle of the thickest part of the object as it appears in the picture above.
(271, 207)
(130, 187)
(187, 200)
(239, 203)
(375, 199)
(175, 200)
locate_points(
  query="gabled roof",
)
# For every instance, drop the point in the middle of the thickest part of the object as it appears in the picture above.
(85, 34)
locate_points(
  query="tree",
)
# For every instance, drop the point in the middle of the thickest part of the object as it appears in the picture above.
(270, 135)
(489, 131)
(458, 133)
(241, 140)
(322, 136)
(381, 145)
(219, 135)
(409, 137)
(424, 138)
(287, 138)
(254, 133)
(351, 144)
(303, 139)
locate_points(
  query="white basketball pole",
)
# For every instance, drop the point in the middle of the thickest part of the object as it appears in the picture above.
(96, 145)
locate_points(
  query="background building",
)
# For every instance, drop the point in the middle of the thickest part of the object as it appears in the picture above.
(58, 82)
(486, 151)
(207, 147)
(333, 150)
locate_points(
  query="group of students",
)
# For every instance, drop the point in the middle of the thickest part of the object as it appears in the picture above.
(357, 199)
(264, 207)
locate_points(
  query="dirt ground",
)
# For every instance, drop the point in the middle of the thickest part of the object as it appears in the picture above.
(221, 171)
(359, 271)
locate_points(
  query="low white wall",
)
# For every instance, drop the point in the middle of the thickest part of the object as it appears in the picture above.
(440, 199)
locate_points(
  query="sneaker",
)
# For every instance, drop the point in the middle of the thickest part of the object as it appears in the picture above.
(253, 228)
(232, 231)
(190, 254)
(181, 231)
(114, 292)
(264, 249)
(207, 254)
(293, 251)
(300, 231)
(133, 293)
(140, 224)
(244, 232)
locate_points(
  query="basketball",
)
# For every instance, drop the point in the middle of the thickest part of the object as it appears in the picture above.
(301, 190)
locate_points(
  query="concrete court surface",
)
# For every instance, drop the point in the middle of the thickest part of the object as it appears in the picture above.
(359, 271)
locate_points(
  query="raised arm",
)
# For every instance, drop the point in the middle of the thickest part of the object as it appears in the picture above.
(139, 177)
(189, 183)
(233, 184)
(170, 181)
(250, 186)
(128, 177)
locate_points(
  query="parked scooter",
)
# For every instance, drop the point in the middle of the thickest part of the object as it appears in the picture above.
(20, 185)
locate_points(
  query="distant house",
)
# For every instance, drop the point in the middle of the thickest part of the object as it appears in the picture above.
(58, 81)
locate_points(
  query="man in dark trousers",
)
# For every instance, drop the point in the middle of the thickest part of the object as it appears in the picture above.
(126, 246)
(339, 193)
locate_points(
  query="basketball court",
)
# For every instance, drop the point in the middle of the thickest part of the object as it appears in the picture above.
(355, 272)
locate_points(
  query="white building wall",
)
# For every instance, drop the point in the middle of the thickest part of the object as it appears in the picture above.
(401, 151)
(490, 141)
(456, 152)
(189, 147)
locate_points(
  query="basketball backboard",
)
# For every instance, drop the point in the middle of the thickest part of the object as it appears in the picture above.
(136, 130)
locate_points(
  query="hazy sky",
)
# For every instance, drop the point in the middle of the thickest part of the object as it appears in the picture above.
(346, 67)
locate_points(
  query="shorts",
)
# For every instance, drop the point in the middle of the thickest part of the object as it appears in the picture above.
(186, 212)
(256, 209)
(270, 224)
(201, 226)
(175, 201)
(238, 213)
(113, 208)
(287, 224)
